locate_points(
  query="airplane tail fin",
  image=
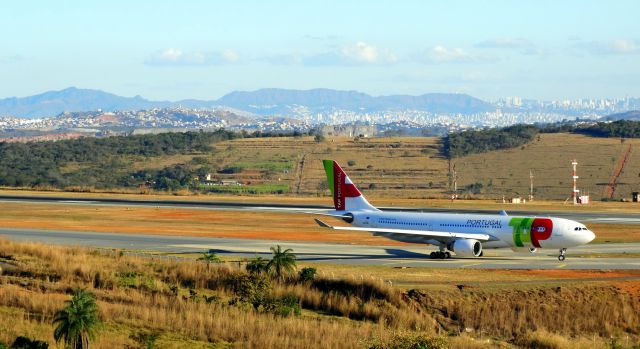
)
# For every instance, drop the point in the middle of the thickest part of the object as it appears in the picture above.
(346, 197)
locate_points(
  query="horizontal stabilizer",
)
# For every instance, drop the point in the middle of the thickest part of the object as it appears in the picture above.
(329, 214)
(322, 224)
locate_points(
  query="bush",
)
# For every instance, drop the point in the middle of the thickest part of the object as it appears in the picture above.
(307, 274)
(285, 305)
(351, 163)
(23, 342)
(251, 289)
(405, 340)
(146, 339)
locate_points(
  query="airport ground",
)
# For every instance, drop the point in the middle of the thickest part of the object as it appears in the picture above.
(162, 229)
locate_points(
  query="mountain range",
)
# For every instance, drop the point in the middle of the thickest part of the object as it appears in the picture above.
(629, 115)
(269, 101)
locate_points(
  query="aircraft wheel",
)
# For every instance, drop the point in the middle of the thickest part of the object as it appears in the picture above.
(561, 258)
(447, 255)
(432, 255)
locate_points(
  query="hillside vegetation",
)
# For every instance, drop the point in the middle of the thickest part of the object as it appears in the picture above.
(482, 141)
(391, 167)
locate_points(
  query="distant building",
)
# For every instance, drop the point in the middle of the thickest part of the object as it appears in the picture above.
(349, 130)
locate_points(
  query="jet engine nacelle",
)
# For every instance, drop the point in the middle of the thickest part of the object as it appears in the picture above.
(467, 248)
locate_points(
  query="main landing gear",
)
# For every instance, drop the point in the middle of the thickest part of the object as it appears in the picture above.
(440, 255)
(562, 252)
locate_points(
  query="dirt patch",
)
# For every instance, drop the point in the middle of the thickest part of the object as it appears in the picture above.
(573, 274)
(631, 287)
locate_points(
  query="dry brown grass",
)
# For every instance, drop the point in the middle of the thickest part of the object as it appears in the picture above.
(135, 294)
(607, 311)
(45, 275)
(506, 172)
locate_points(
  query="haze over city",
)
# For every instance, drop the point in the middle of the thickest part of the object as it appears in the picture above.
(171, 51)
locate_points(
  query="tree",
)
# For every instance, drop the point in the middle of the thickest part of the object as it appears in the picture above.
(283, 263)
(77, 323)
(209, 257)
(258, 265)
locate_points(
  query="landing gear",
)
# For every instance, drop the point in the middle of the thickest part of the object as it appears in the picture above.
(440, 255)
(562, 252)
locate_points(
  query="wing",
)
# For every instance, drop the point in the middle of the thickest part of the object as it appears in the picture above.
(427, 234)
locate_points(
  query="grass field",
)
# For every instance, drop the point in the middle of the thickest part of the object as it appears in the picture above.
(191, 305)
(414, 167)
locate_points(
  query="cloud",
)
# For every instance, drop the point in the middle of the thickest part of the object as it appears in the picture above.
(358, 53)
(611, 47)
(521, 45)
(365, 53)
(506, 43)
(441, 55)
(177, 57)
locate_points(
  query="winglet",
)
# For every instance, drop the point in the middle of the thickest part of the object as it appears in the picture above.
(322, 224)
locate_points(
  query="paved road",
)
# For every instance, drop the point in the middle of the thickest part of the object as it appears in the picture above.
(337, 253)
(585, 217)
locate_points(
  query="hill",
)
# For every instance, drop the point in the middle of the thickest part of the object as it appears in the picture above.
(71, 99)
(263, 102)
(630, 115)
(280, 100)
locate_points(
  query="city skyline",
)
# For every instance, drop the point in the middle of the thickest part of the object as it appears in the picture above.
(541, 50)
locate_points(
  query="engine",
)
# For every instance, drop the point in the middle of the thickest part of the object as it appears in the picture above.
(467, 248)
(348, 217)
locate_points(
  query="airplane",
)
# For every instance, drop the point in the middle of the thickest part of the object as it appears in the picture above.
(466, 235)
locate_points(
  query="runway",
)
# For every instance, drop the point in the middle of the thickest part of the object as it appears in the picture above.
(584, 217)
(412, 256)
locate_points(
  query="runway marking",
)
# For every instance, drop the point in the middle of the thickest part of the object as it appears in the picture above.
(561, 265)
(471, 265)
(76, 202)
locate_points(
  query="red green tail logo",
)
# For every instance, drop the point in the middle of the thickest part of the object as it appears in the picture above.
(340, 185)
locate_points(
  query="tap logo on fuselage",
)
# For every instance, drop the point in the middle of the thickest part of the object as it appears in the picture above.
(530, 230)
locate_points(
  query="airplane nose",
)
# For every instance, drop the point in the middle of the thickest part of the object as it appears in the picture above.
(589, 236)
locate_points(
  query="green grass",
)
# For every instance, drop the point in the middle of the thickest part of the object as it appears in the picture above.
(266, 188)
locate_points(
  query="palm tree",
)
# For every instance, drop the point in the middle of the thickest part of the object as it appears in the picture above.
(282, 262)
(209, 257)
(78, 321)
(258, 265)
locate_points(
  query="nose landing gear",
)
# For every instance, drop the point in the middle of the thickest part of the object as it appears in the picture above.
(562, 252)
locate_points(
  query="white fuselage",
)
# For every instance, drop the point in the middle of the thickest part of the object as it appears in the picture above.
(504, 231)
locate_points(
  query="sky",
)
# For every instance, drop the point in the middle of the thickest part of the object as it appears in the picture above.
(172, 50)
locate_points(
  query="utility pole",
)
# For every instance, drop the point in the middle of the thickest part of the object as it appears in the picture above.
(575, 191)
(530, 185)
(455, 180)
